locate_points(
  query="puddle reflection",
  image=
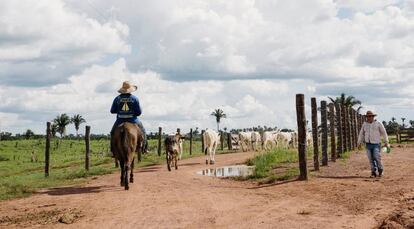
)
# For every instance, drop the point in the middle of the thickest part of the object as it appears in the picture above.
(228, 171)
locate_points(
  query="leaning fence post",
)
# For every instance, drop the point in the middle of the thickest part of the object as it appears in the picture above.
(301, 121)
(332, 131)
(47, 149)
(159, 140)
(315, 134)
(87, 140)
(324, 123)
(191, 141)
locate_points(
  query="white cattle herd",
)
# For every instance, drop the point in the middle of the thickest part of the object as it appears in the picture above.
(251, 140)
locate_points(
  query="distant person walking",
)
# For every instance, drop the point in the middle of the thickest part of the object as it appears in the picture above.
(370, 134)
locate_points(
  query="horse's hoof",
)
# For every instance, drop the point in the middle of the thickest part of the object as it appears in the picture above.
(126, 187)
(211, 162)
(131, 180)
(206, 162)
(122, 184)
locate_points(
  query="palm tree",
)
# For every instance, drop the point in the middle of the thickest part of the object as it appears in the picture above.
(219, 114)
(348, 101)
(403, 124)
(77, 120)
(61, 122)
(53, 129)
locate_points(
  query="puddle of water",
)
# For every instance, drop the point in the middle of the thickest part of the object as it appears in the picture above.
(228, 171)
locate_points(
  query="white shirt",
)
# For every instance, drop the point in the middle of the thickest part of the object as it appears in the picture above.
(372, 132)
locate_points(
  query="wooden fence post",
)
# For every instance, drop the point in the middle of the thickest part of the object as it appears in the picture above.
(202, 142)
(47, 149)
(348, 129)
(351, 129)
(354, 117)
(339, 148)
(159, 140)
(332, 131)
(344, 131)
(87, 152)
(324, 123)
(191, 141)
(315, 134)
(229, 145)
(301, 120)
(222, 140)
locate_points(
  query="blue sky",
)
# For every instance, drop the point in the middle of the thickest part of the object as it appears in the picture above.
(188, 58)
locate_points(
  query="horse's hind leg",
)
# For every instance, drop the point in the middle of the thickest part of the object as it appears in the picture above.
(121, 164)
(131, 177)
(126, 177)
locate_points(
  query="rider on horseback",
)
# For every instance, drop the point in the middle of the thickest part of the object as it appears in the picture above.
(127, 108)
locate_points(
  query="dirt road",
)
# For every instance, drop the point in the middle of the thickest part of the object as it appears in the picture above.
(339, 196)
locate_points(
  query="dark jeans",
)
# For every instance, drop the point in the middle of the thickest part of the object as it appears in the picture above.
(139, 124)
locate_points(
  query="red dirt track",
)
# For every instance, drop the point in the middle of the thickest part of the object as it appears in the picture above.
(339, 196)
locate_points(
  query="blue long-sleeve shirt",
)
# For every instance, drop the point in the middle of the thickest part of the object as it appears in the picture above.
(127, 108)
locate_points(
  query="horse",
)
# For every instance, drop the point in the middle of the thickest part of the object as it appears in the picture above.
(127, 139)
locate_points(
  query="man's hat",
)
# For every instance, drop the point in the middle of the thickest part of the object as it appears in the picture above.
(127, 87)
(370, 113)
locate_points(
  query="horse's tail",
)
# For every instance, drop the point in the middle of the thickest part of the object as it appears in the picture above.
(124, 139)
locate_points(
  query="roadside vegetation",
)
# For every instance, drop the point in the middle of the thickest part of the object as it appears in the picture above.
(282, 164)
(22, 163)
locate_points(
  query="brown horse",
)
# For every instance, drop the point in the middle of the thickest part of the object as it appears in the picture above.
(127, 139)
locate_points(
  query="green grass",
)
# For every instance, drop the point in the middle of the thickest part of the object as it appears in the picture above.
(22, 164)
(282, 164)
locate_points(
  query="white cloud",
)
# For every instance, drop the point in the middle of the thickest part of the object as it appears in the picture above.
(49, 34)
(192, 56)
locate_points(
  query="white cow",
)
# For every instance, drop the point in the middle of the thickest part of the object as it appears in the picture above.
(211, 139)
(295, 139)
(284, 139)
(309, 138)
(245, 139)
(256, 138)
(269, 137)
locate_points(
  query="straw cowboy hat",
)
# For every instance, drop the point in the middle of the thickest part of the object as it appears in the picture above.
(127, 87)
(370, 113)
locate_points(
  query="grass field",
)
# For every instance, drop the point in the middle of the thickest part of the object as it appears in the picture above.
(22, 163)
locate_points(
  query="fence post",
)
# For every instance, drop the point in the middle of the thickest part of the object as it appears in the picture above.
(159, 140)
(315, 134)
(339, 148)
(229, 145)
(191, 141)
(354, 117)
(344, 134)
(47, 149)
(301, 121)
(349, 129)
(222, 140)
(202, 142)
(87, 153)
(332, 130)
(324, 123)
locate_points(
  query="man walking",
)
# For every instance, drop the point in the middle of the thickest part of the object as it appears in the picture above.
(370, 134)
